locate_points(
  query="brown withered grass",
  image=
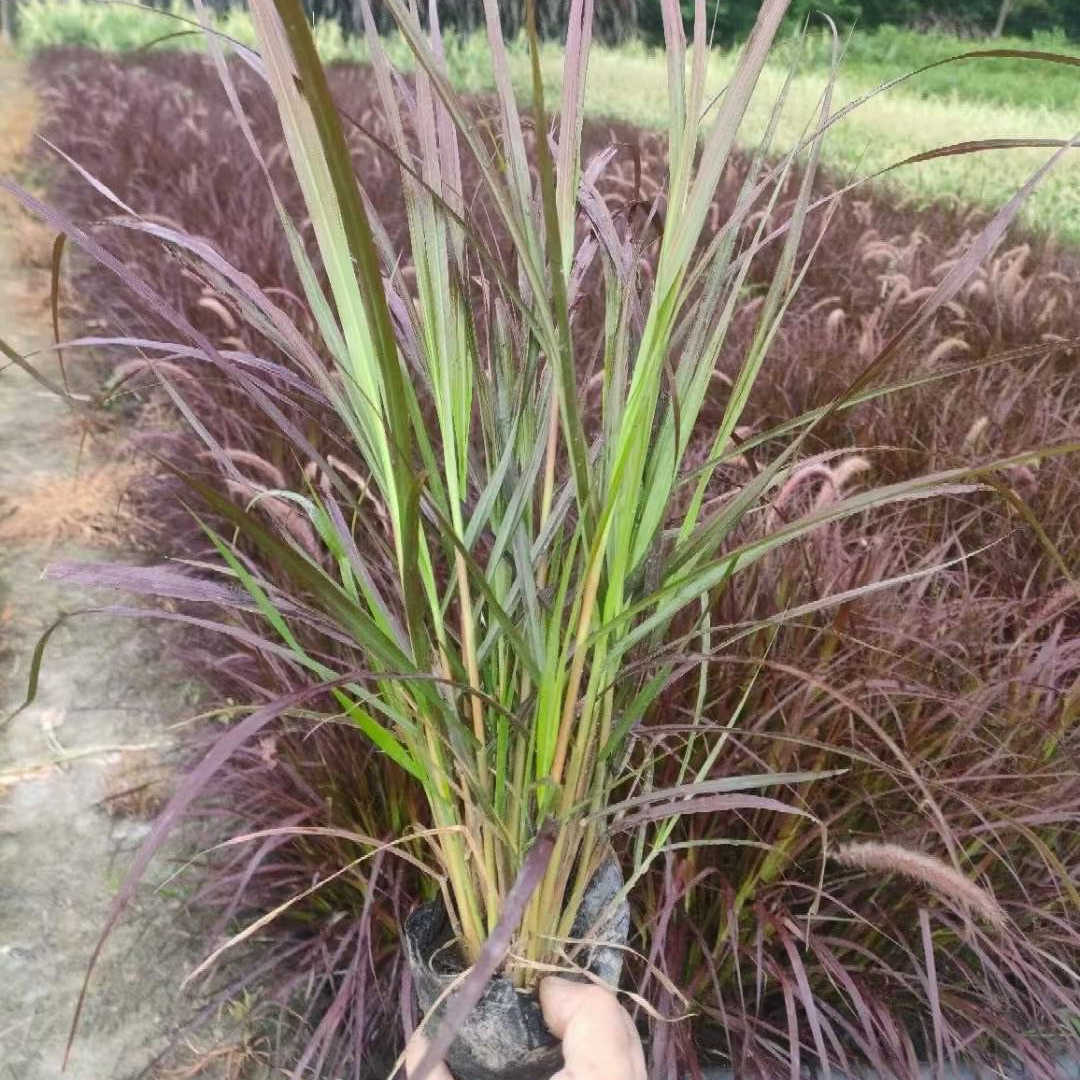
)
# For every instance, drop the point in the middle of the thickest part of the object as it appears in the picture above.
(92, 505)
(25, 238)
(21, 114)
(137, 784)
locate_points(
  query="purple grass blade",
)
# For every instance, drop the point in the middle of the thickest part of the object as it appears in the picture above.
(157, 581)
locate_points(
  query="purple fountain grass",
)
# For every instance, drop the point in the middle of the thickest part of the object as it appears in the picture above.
(917, 656)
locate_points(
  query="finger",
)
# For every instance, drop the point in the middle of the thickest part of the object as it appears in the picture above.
(414, 1054)
(559, 1000)
(599, 1040)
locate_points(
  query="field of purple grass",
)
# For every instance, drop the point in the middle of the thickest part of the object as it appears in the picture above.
(952, 702)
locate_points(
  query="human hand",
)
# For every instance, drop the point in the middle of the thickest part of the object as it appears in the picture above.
(599, 1040)
(414, 1054)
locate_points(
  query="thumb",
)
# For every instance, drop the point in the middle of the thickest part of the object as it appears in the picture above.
(599, 1040)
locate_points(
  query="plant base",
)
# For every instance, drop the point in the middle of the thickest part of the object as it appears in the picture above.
(504, 1037)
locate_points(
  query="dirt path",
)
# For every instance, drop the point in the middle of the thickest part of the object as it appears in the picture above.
(108, 692)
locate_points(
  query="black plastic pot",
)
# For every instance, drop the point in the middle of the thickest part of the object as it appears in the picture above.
(504, 1037)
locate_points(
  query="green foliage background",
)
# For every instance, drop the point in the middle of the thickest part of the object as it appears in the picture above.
(733, 18)
(618, 20)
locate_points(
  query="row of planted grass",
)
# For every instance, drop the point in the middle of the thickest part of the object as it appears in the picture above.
(978, 99)
(888, 128)
(952, 703)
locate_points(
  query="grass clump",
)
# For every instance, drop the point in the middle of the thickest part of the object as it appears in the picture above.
(518, 557)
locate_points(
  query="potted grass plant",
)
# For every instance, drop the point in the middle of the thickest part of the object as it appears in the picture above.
(535, 569)
(544, 578)
(530, 554)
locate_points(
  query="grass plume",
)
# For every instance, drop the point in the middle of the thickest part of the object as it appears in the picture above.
(936, 874)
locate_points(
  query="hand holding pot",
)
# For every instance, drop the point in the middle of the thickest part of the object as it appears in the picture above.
(599, 1040)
